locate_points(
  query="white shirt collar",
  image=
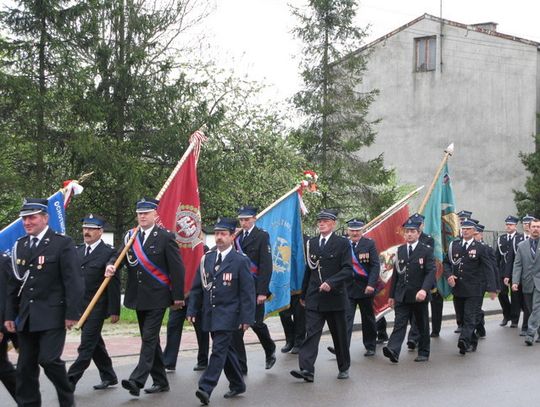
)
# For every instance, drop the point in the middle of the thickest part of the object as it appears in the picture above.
(249, 230)
(40, 236)
(327, 237)
(413, 245)
(224, 253)
(468, 242)
(92, 246)
(511, 235)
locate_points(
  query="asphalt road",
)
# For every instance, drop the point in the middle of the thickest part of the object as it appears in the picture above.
(503, 372)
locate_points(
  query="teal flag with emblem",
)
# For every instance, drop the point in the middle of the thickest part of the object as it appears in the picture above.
(283, 224)
(442, 223)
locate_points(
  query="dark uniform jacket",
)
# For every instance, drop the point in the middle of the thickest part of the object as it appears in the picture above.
(54, 288)
(505, 254)
(473, 268)
(368, 257)
(5, 271)
(257, 247)
(334, 267)
(228, 300)
(427, 240)
(413, 274)
(93, 269)
(143, 290)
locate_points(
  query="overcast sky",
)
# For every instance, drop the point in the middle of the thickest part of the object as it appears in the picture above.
(254, 36)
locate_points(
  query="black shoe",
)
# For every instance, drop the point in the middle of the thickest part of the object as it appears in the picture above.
(411, 345)
(434, 335)
(503, 322)
(369, 352)
(104, 384)
(331, 349)
(458, 330)
(233, 393)
(390, 354)
(529, 340)
(382, 339)
(203, 396)
(473, 347)
(295, 350)
(514, 324)
(463, 348)
(303, 374)
(156, 388)
(421, 358)
(287, 348)
(132, 387)
(199, 367)
(523, 333)
(343, 375)
(481, 333)
(170, 368)
(270, 361)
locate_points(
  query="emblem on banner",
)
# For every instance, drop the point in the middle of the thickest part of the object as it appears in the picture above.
(188, 226)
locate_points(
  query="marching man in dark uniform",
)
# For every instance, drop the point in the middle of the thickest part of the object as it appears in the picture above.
(44, 299)
(223, 296)
(155, 281)
(7, 371)
(412, 281)
(324, 293)
(361, 288)
(255, 244)
(94, 255)
(468, 270)
(505, 252)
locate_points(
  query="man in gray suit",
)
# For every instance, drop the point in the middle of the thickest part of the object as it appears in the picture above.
(527, 274)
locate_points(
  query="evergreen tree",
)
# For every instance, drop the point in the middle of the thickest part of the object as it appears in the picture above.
(335, 126)
(528, 201)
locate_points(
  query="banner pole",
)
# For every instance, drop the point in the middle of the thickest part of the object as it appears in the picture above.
(447, 153)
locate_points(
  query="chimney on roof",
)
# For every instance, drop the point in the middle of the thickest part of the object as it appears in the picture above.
(490, 26)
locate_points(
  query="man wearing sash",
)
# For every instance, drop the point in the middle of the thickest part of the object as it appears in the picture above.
(412, 281)
(223, 297)
(468, 270)
(255, 244)
(94, 255)
(155, 282)
(361, 288)
(44, 299)
(324, 294)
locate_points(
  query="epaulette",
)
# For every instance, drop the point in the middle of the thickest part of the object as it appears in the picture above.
(22, 237)
(4, 255)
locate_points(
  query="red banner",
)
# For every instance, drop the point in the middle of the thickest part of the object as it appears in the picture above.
(388, 237)
(179, 211)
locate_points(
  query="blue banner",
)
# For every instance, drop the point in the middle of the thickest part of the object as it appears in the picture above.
(284, 226)
(15, 230)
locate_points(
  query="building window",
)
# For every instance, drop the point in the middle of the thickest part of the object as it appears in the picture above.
(426, 48)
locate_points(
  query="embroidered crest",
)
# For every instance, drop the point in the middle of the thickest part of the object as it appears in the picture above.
(188, 226)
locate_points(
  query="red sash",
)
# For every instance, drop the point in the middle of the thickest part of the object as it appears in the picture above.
(147, 265)
(357, 267)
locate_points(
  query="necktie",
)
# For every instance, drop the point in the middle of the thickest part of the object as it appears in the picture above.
(323, 242)
(354, 245)
(464, 245)
(34, 244)
(143, 235)
(88, 249)
(410, 250)
(218, 263)
(246, 234)
(534, 245)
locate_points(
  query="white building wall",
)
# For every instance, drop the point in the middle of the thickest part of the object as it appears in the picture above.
(485, 101)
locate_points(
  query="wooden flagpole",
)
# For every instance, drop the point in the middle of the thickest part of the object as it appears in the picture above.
(278, 201)
(447, 153)
(120, 258)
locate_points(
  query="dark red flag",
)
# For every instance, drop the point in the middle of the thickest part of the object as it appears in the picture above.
(179, 211)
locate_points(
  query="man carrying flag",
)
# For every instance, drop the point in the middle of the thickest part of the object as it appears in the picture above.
(155, 281)
(255, 244)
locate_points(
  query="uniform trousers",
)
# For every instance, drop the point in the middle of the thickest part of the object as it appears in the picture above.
(436, 303)
(471, 309)
(293, 320)
(369, 326)
(337, 323)
(43, 348)
(403, 313)
(511, 306)
(175, 326)
(151, 356)
(382, 335)
(222, 359)
(7, 371)
(92, 347)
(262, 332)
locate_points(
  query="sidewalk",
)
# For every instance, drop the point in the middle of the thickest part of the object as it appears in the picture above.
(127, 342)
